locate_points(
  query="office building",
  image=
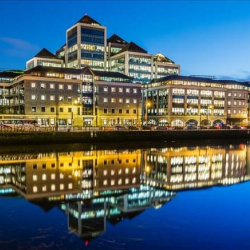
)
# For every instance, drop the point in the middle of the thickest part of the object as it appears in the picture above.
(86, 44)
(181, 100)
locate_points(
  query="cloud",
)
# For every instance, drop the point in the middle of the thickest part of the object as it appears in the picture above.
(18, 47)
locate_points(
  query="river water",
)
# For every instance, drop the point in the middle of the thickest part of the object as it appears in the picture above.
(177, 196)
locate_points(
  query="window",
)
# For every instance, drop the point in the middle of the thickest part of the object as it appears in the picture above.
(33, 109)
(112, 111)
(105, 111)
(235, 111)
(229, 103)
(43, 85)
(70, 186)
(120, 111)
(113, 100)
(61, 176)
(42, 109)
(105, 172)
(33, 85)
(120, 100)
(229, 94)
(105, 89)
(61, 186)
(105, 99)
(53, 165)
(127, 111)
(134, 101)
(52, 109)
(44, 166)
(44, 177)
(52, 85)
(235, 103)
(229, 111)
(235, 94)
(69, 99)
(127, 90)
(120, 90)
(53, 187)
(60, 86)
(43, 97)
(35, 189)
(113, 89)
(34, 177)
(34, 166)
(61, 109)
(52, 98)
(33, 97)
(53, 176)
(134, 91)
(44, 188)
(69, 87)
(127, 100)
(105, 182)
(61, 98)
(69, 110)
(134, 111)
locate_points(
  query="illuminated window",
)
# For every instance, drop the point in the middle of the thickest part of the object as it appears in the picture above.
(127, 90)
(43, 97)
(127, 100)
(112, 182)
(52, 85)
(134, 91)
(33, 109)
(70, 186)
(105, 172)
(34, 177)
(105, 99)
(61, 186)
(229, 94)
(127, 181)
(44, 188)
(61, 176)
(33, 97)
(44, 177)
(105, 89)
(134, 101)
(127, 170)
(119, 181)
(120, 100)
(134, 180)
(33, 85)
(120, 171)
(113, 89)
(69, 87)
(105, 182)
(60, 86)
(134, 170)
(52, 98)
(120, 90)
(112, 172)
(113, 100)
(43, 85)
(61, 98)
(53, 176)
(35, 189)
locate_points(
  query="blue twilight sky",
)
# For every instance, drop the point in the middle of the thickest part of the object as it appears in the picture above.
(204, 37)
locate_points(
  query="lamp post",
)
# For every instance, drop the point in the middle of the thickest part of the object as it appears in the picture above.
(208, 109)
(72, 112)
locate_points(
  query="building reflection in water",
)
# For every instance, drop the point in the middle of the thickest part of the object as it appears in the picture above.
(93, 187)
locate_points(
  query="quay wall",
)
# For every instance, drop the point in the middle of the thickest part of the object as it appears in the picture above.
(39, 138)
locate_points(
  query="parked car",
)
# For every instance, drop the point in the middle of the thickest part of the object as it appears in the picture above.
(161, 128)
(133, 128)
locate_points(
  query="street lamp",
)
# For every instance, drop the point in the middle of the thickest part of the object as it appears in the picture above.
(72, 112)
(148, 104)
(208, 109)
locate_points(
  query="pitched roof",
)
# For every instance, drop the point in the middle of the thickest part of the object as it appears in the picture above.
(116, 39)
(44, 53)
(88, 20)
(132, 47)
(161, 58)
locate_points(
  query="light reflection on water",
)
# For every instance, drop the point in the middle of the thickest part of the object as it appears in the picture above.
(111, 198)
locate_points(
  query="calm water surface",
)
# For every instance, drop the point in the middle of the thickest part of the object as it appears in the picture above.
(174, 197)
